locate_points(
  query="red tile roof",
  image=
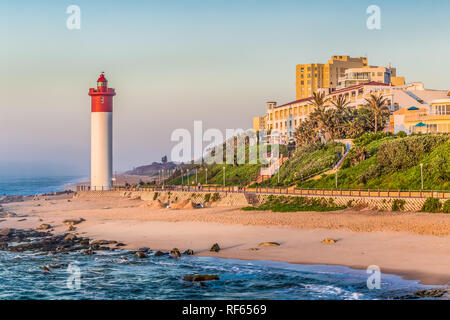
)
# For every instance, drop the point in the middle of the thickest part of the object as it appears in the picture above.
(372, 83)
(296, 101)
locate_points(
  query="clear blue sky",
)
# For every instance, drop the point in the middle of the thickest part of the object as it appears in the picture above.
(173, 62)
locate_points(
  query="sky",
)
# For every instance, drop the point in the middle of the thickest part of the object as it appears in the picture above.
(174, 62)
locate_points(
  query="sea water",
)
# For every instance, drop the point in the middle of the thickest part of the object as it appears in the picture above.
(121, 275)
(26, 185)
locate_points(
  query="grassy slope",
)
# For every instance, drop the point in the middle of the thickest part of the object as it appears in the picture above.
(306, 162)
(235, 175)
(367, 174)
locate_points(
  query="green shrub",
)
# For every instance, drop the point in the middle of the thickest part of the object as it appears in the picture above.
(401, 134)
(215, 197)
(294, 204)
(446, 207)
(398, 205)
(402, 154)
(207, 197)
(432, 205)
(368, 137)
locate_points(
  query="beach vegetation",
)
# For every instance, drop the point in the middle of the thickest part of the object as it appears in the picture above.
(294, 204)
(446, 207)
(398, 205)
(215, 197)
(432, 205)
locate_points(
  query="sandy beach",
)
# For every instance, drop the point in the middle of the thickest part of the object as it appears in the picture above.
(413, 245)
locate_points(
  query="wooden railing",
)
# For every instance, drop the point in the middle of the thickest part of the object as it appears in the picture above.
(441, 194)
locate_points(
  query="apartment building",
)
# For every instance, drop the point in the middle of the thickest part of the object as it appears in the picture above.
(355, 76)
(313, 76)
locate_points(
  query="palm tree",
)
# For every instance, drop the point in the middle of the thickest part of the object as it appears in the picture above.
(319, 115)
(341, 115)
(341, 104)
(378, 105)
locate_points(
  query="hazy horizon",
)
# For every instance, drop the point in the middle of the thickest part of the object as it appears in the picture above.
(173, 63)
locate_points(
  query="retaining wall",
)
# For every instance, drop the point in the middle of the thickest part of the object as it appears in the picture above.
(242, 199)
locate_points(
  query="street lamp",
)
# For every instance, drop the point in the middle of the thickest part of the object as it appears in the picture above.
(421, 174)
(336, 177)
(206, 182)
(182, 178)
(278, 176)
(224, 176)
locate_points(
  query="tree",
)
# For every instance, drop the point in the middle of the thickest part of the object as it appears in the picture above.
(305, 134)
(341, 104)
(320, 114)
(378, 105)
(164, 159)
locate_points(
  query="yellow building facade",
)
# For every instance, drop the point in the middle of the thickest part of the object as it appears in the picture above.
(259, 123)
(313, 76)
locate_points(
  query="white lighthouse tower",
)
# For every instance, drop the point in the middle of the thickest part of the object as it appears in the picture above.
(101, 135)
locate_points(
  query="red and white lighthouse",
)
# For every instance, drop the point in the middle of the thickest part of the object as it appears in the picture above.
(101, 134)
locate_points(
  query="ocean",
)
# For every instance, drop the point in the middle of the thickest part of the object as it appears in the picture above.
(107, 275)
(22, 185)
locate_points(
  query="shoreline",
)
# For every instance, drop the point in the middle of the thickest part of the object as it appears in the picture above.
(413, 255)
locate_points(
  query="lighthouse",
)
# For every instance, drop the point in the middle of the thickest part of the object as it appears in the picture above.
(101, 134)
